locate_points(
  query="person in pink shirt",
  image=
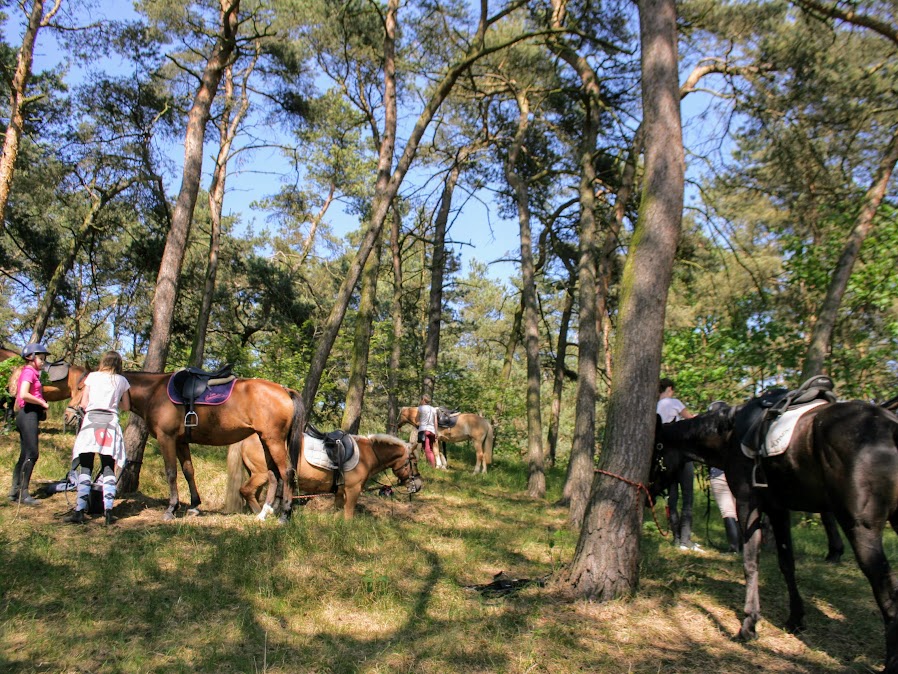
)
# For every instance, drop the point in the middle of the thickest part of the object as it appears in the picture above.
(31, 409)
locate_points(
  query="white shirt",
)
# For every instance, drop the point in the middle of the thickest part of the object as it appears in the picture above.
(669, 410)
(104, 390)
(427, 418)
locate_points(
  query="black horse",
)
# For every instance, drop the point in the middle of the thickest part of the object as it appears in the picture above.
(842, 458)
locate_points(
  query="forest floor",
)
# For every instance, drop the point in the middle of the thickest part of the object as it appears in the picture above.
(391, 590)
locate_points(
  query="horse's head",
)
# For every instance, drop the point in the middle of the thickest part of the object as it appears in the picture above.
(74, 412)
(704, 438)
(406, 469)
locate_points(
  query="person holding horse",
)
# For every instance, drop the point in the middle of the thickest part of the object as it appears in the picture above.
(31, 409)
(670, 409)
(105, 393)
(427, 428)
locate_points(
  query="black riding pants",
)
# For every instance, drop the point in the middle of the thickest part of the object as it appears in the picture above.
(28, 422)
(685, 481)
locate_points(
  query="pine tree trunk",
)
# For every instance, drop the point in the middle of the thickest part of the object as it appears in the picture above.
(606, 562)
(166, 293)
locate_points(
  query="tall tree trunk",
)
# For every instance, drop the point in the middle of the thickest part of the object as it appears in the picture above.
(560, 368)
(227, 131)
(536, 482)
(582, 459)
(358, 371)
(435, 305)
(98, 202)
(398, 330)
(822, 334)
(18, 99)
(387, 185)
(514, 336)
(606, 562)
(166, 292)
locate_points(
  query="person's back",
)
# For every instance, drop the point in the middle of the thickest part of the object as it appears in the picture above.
(427, 428)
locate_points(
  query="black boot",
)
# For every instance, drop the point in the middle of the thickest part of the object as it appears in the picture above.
(16, 483)
(734, 535)
(24, 497)
(108, 516)
(76, 517)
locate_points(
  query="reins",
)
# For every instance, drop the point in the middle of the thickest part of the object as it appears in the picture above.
(639, 487)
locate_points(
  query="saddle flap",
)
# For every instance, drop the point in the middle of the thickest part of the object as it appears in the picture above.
(57, 371)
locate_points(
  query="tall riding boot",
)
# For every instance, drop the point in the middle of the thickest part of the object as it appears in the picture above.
(734, 535)
(16, 483)
(24, 497)
(674, 518)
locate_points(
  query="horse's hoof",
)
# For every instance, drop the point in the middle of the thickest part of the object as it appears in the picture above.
(168, 516)
(794, 626)
(833, 558)
(746, 634)
(264, 513)
(194, 512)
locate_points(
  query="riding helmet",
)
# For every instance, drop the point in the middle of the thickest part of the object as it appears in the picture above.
(34, 348)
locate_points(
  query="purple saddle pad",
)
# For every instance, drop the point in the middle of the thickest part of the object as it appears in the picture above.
(214, 395)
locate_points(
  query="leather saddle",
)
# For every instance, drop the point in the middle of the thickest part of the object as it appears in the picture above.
(190, 383)
(446, 418)
(337, 444)
(57, 371)
(753, 432)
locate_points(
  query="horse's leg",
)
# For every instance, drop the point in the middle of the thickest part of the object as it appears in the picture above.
(269, 476)
(867, 544)
(351, 493)
(276, 457)
(835, 547)
(750, 523)
(782, 532)
(169, 452)
(442, 463)
(479, 466)
(186, 460)
(249, 489)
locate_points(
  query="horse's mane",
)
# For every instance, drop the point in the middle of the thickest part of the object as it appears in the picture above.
(386, 439)
(713, 422)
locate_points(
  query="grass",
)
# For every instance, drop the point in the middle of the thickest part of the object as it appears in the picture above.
(387, 592)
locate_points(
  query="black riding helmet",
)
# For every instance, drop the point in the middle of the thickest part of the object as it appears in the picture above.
(33, 349)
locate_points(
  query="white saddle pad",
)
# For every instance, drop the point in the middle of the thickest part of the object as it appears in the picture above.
(780, 434)
(315, 454)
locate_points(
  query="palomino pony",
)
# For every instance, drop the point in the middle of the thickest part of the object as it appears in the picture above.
(467, 426)
(377, 453)
(270, 412)
(842, 458)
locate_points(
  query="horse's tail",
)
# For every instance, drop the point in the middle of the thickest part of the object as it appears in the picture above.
(236, 475)
(297, 426)
(488, 444)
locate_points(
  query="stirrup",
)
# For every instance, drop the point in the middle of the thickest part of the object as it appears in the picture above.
(191, 420)
(754, 476)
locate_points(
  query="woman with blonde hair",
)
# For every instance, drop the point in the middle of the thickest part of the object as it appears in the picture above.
(105, 393)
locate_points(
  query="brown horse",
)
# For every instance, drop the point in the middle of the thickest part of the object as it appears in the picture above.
(467, 426)
(377, 453)
(268, 411)
(64, 379)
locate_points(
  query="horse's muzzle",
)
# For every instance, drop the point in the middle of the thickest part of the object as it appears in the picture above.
(415, 484)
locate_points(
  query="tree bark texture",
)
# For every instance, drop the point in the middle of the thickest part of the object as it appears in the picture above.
(583, 449)
(606, 562)
(558, 383)
(398, 329)
(358, 370)
(435, 303)
(166, 293)
(227, 131)
(536, 482)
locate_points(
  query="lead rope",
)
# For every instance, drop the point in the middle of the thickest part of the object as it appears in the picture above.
(639, 487)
